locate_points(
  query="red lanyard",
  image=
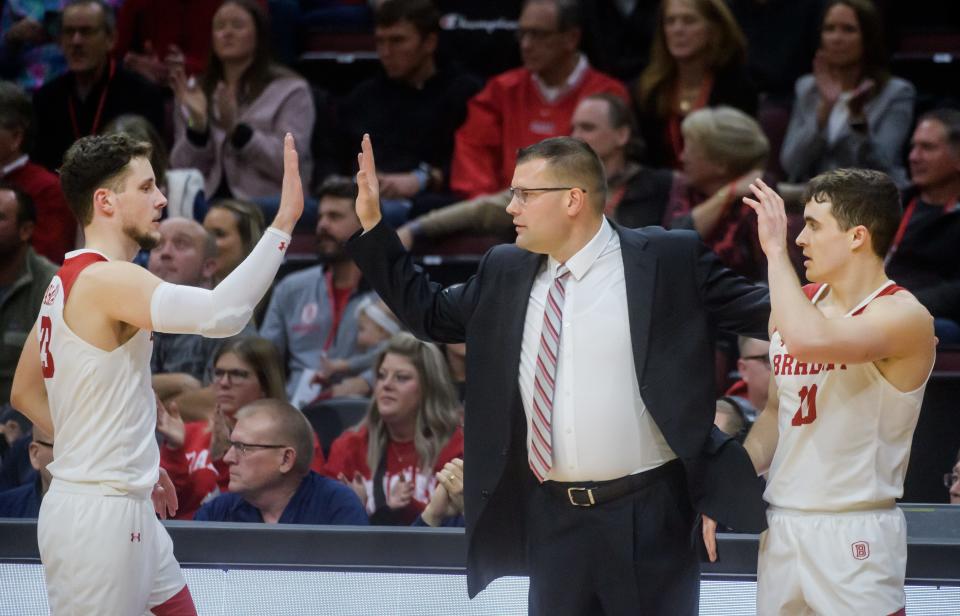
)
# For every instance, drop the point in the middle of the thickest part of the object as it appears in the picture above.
(339, 307)
(96, 118)
(674, 134)
(905, 221)
(613, 201)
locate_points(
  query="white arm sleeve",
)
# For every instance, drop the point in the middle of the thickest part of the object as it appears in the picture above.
(225, 310)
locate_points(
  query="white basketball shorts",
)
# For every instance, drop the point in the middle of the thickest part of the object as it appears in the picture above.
(832, 563)
(102, 553)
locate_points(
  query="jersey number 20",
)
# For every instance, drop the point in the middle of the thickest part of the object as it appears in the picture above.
(808, 402)
(46, 358)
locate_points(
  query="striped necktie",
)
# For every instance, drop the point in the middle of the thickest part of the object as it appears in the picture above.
(540, 454)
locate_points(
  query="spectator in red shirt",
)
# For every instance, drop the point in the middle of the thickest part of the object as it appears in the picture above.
(245, 370)
(528, 104)
(411, 431)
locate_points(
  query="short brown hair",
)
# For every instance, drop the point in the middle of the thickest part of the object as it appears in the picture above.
(339, 187)
(94, 162)
(950, 120)
(575, 162)
(290, 427)
(860, 197)
(423, 14)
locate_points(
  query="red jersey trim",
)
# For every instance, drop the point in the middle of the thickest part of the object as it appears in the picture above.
(811, 290)
(72, 267)
(890, 290)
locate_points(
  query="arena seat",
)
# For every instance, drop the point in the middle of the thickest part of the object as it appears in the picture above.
(935, 441)
(330, 418)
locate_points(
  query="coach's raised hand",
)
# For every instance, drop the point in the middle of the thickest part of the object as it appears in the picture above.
(368, 186)
(291, 194)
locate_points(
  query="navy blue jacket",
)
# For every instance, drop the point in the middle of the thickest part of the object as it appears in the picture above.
(318, 500)
(21, 502)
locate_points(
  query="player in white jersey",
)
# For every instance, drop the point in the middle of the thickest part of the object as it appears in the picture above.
(84, 376)
(850, 358)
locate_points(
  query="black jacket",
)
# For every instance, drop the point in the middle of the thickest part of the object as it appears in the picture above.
(678, 295)
(126, 92)
(927, 261)
(731, 87)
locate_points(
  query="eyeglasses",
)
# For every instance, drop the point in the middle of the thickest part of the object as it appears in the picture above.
(950, 478)
(522, 194)
(763, 357)
(244, 448)
(233, 375)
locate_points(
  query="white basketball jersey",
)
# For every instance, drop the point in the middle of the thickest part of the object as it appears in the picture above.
(102, 403)
(845, 431)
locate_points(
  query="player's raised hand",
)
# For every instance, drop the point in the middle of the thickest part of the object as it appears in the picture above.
(368, 186)
(771, 217)
(291, 193)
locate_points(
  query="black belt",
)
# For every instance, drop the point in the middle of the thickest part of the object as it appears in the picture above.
(590, 493)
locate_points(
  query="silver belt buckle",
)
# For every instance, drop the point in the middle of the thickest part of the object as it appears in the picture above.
(573, 501)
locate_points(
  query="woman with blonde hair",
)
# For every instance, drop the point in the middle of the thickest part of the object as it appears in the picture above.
(411, 431)
(697, 59)
(724, 151)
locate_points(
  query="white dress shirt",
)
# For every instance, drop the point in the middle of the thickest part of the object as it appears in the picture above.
(14, 165)
(601, 427)
(553, 93)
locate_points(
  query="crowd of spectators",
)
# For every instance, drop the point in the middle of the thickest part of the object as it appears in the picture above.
(686, 102)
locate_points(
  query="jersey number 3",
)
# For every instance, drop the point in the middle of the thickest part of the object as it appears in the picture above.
(46, 359)
(808, 402)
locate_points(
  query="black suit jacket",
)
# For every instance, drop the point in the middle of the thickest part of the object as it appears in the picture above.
(678, 295)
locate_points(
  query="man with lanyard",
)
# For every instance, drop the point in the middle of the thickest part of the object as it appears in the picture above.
(313, 312)
(94, 90)
(925, 254)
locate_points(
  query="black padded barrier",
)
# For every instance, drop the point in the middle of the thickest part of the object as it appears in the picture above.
(933, 547)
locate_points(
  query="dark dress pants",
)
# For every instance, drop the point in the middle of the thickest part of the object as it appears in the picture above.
(635, 555)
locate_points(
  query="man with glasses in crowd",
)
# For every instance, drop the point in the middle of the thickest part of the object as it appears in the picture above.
(753, 366)
(271, 448)
(94, 90)
(524, 105)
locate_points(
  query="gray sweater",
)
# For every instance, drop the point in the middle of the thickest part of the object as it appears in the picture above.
(256, 169)
(300, 318)
(806, 151)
